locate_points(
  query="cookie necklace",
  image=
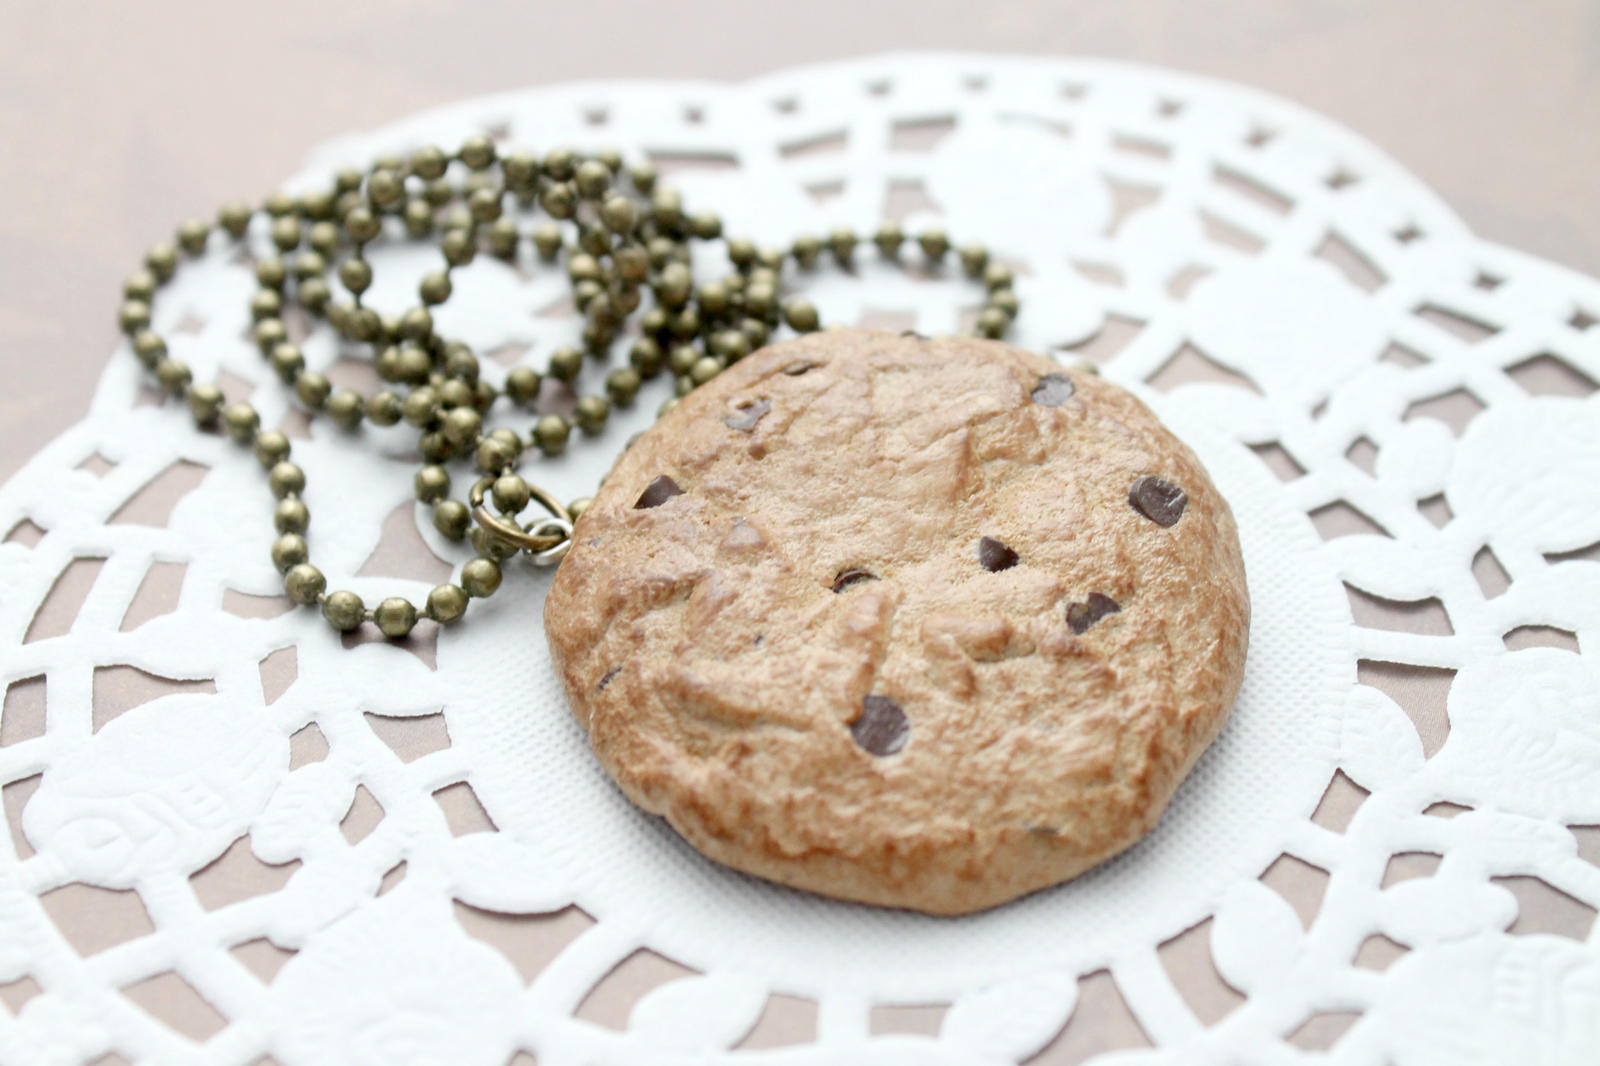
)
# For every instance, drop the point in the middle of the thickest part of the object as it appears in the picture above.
(617, 231)
(926, 623)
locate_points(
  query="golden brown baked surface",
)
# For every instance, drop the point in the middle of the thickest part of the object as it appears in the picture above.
(923, 623)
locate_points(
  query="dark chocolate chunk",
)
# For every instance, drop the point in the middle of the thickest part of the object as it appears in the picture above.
(606, 679)
(1080, 616)
(847, 578)
(1053, 390)
(746, 415)
(994, 555)
(795, 369)
(1158, 500)
(657, 493)
(881, 728)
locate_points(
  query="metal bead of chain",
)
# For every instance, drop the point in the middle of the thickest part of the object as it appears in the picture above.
(618, 239)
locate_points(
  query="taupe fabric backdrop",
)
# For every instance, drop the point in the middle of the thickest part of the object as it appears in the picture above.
(119, 119)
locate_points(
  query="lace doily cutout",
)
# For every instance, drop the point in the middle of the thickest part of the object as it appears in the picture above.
(235, 840)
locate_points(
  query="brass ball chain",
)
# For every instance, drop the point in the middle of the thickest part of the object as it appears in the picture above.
(629, 237)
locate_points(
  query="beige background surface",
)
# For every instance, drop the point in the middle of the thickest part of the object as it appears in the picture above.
(120, 119)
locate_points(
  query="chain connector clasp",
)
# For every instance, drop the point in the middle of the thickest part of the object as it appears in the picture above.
(546, 540)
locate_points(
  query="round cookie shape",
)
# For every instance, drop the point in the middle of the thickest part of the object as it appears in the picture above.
(921, 623)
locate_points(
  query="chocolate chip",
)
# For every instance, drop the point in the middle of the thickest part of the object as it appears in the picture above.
(1080, 616)
(1158, 500)
(657, 493)
(1053, 390)
(913, 333)
(794, 370)
(606, 679)
(747, 415)
(881, 728)
(994, 555)
(847, 578)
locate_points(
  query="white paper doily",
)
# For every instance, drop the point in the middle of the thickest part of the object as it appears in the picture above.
(1161, 225)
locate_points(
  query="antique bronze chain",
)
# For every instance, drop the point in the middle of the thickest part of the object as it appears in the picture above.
(619, 235)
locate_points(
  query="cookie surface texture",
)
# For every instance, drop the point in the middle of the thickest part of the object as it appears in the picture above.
(922, 623)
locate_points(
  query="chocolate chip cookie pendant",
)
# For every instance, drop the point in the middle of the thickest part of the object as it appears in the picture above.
(921, 623)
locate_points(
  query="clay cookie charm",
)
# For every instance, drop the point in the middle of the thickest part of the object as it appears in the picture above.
(922, 623)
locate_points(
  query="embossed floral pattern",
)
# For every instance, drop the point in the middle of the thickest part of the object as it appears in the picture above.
(1156, 223)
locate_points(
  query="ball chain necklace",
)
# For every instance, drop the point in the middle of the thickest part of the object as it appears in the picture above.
(630, 236)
